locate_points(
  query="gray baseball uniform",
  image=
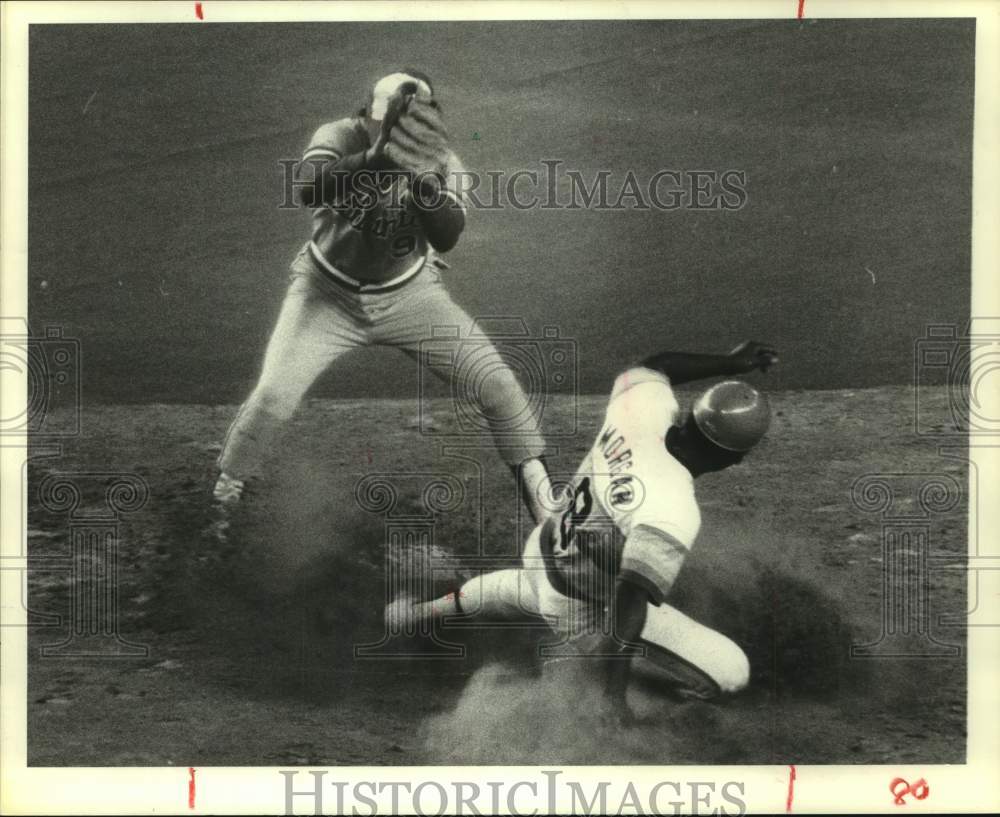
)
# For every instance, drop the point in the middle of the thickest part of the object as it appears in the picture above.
(368, 276)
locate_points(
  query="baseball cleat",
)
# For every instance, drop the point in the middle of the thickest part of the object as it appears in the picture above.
(401, 614)
(228, 490)
(229, 497)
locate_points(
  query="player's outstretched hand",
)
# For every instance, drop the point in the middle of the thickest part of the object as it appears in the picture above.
(752, 355)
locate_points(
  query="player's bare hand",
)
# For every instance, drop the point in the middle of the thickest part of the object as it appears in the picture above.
(375, 155)
(752, 355)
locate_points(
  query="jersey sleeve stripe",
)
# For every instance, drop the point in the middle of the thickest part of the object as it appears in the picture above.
(652, 559)
(669, 539)
(656, 595)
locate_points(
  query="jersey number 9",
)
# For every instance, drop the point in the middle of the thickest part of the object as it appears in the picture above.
(403, 245)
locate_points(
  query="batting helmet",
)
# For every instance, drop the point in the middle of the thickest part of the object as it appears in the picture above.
(733, 415)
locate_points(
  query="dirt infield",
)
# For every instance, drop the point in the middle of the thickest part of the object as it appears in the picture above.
(251, 652)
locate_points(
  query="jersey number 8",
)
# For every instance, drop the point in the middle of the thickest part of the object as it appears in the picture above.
(576, 514)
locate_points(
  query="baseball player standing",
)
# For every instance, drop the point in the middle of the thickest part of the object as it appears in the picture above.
(600, 571)
(385, 206)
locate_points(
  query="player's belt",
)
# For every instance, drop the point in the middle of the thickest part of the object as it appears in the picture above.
(343, 279)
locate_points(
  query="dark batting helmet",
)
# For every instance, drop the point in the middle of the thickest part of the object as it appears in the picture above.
(733, 415)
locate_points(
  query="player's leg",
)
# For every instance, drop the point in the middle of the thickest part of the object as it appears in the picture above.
(311, 331)
(500, 595)
(504, 595)
(487, 380)
(689, 659)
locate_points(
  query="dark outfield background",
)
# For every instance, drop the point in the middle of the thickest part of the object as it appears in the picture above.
(156, 238)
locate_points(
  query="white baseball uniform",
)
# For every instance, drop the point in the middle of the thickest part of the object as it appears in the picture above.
(628, 483)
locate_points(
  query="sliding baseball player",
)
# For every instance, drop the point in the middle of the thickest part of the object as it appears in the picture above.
(600, 572)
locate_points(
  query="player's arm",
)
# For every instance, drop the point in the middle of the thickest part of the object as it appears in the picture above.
(333, 180)
(683, 367)
(327, 179)
(643, 580)
(341, 161)
(441, 212)
(631, 603)
(602, 662)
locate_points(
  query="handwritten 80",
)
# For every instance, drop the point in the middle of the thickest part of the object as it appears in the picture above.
(900, 788)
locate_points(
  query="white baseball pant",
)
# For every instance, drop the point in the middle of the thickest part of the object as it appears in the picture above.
(677, 648)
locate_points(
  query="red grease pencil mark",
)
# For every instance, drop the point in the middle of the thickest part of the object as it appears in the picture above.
(802, 8)
(791, 771)
(900, 788)
(191, 770)
(198, 14)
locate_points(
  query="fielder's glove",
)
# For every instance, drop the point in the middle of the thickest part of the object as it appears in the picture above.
(418, 141)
